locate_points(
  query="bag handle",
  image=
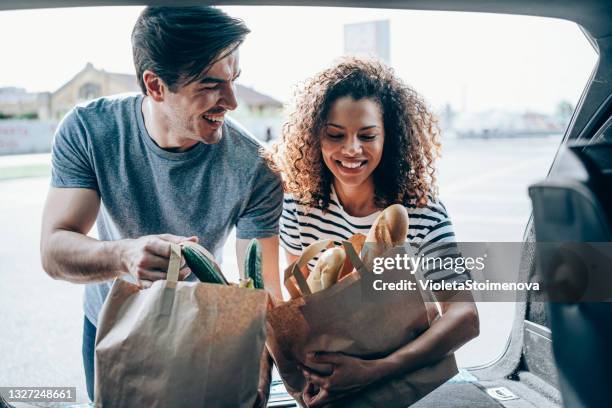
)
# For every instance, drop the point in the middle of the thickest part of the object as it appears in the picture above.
(354, 259)
(167, 299)
(175, 263)
(295, 269)
(313, 249)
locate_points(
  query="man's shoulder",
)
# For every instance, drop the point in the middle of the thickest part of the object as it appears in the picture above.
(112, 104)
(98, 117)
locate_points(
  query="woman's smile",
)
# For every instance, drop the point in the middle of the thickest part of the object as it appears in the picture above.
(352, 165)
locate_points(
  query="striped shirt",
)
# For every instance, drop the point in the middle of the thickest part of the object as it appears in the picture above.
(430, 231)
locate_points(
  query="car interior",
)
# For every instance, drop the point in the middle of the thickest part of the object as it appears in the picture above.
(558, 352)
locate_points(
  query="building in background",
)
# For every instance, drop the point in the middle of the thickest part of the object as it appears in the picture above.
(28, 120)
(256, 110)
(24, 121)
(87, 84)
(370, 39)
(261, 114)
(16, 103)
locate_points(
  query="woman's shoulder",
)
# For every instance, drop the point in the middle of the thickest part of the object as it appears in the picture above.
(429, 223)
(294, 205)
(291, 202)
(433, 211)
(288, 199)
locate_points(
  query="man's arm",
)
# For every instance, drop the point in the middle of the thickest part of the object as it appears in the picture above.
(67, 253)
(269, 262)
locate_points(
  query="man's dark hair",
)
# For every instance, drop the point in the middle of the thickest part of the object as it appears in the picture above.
(179, 43)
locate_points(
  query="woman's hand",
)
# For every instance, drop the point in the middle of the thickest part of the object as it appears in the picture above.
(349, 374)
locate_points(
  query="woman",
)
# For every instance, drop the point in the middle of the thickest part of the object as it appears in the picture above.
(357, 141)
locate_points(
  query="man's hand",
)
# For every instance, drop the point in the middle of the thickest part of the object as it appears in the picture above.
(349, 374)
(147, 258)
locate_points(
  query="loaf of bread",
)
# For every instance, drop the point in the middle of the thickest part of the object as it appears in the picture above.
(389, 230)
(326, 270)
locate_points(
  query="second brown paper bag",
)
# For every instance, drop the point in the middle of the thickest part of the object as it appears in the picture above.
(348, 318)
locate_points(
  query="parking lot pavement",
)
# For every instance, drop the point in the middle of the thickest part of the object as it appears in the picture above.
(41, 318)
(24, 160)
(482, 183)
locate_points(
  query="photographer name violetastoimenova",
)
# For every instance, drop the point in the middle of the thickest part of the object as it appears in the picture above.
(469, 284)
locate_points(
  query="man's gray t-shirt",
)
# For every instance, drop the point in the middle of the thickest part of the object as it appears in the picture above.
(205, 191)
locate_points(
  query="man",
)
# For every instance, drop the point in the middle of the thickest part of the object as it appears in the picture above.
(161, 167)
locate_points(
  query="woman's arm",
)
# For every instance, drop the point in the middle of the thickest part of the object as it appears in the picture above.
(290, 257)
(456, 326)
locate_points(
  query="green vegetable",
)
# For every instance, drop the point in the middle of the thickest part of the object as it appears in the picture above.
(246, 283)
(252, 264)
(201, 264)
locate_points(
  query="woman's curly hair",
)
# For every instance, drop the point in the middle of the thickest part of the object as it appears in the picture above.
(406, 171)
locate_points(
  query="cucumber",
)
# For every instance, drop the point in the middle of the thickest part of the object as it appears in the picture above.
(201, 265)
(252, 264)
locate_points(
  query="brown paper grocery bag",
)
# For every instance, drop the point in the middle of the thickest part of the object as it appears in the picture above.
(179, 344)
(344, 319)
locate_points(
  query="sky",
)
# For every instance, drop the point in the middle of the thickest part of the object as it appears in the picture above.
(474, 61)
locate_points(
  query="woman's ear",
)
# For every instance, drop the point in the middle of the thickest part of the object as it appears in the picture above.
(156, 88)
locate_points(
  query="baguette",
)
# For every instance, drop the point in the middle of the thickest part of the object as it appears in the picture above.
(389, 230)
(326, 270)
